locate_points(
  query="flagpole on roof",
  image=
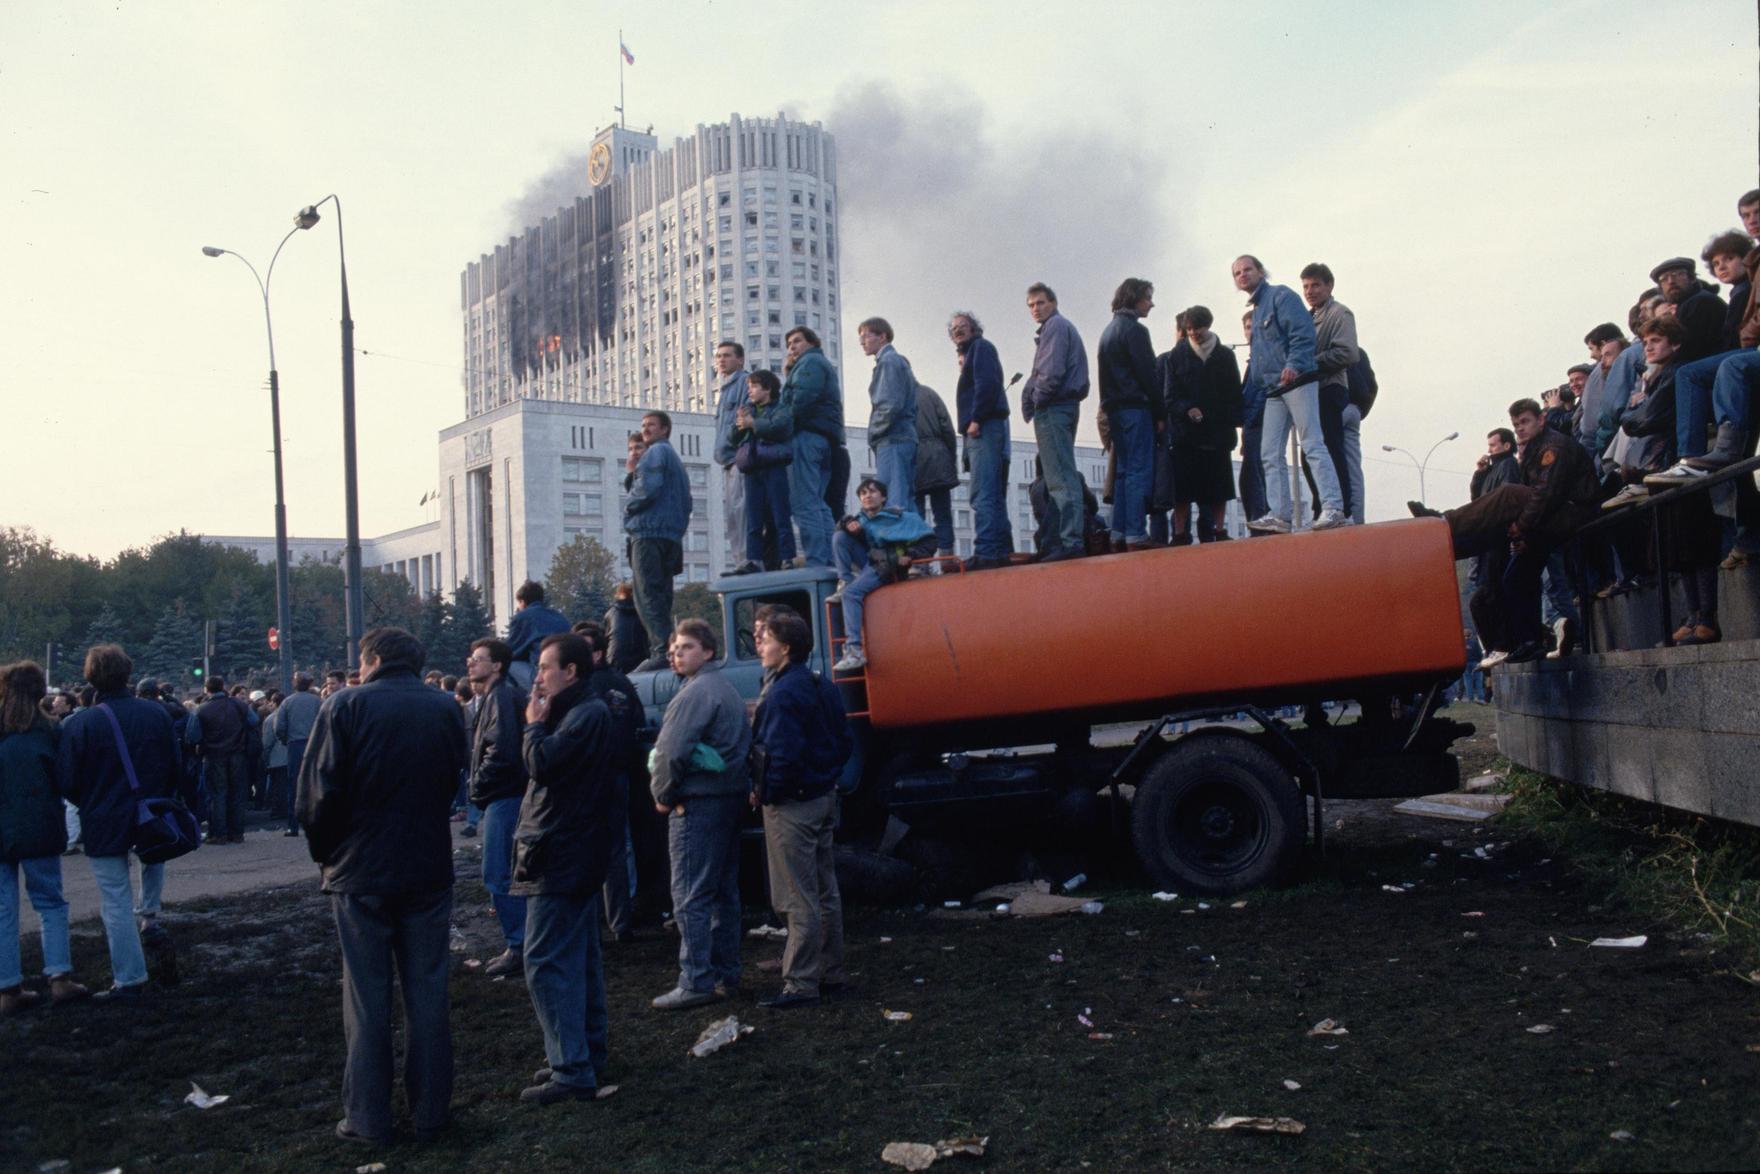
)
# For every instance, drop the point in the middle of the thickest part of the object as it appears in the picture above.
(622, 119)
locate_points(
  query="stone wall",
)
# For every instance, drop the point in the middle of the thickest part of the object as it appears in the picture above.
(1677, 726)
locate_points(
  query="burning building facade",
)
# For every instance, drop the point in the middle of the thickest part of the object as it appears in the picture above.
(620, 298)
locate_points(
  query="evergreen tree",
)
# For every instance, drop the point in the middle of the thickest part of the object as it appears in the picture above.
(105, 628)
(430, 627)
(242, 645)
(696, 601)
(176, 640)
(467, 619)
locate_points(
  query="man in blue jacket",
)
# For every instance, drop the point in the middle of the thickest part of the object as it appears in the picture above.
(532, 620)
(655, 516)
(1283, 361)
(1051, 402)
(814, 403)
(892, 422)
(981, 403)
(800, 726)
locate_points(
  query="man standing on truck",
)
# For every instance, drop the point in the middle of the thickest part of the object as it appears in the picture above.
(892, 421)
(805, 741)
(1558, 492)
(700, 785)
(1051, 401)
(655, 516)
(814, 403)
(1283, 361)
(981, 402)
(1131, 399)
(730, 364)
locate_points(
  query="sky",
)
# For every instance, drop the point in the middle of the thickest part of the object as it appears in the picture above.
(1487, 182)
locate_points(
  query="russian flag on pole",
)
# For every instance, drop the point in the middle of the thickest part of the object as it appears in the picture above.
(627, 55)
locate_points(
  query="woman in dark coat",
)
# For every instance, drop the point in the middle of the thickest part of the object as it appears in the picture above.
(32, 836)
(1203, 395)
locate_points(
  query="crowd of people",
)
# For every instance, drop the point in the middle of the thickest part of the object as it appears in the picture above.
(373, 772)
(1666, 408)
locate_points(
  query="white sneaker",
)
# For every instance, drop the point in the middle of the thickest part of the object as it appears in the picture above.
(1270, 524)
(1679, 475)
(1493, 660)
(852, 660)
(1625, 497)
(1331, 520)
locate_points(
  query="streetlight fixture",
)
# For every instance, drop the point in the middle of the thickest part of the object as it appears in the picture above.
(354, 605)
(1423, 495)
(283, 600)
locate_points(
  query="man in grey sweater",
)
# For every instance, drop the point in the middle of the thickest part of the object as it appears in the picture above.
(698, 774)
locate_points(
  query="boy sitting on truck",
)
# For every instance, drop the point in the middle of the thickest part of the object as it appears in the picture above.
(873, 547)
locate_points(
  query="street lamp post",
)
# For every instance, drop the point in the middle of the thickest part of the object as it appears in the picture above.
(283, 601)
(354, 605)
(1423, 495)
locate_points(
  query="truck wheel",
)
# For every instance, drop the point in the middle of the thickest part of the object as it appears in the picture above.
(1216, 815)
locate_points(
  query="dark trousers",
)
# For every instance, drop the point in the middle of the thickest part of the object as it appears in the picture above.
(566, 977)
(1482, 527)
(229, 785)
(619, 902)
(653, 563)
(377, 932)
(296, 754)
(1253, 503)
(769, 521)
(1486, 602)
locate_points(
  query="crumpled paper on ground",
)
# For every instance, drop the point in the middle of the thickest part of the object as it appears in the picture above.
(1287, 1125)
(1328, 1027)
(916, 1155)
(718, 1035)
(201, 1100)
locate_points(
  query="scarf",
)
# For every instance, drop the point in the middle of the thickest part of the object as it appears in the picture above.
(1205, 351)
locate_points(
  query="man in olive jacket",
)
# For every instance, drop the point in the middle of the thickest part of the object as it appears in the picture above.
(375, 790)
(560, 852)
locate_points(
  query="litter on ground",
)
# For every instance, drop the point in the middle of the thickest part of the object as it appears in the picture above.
(1328, 1027)
(1631, 943)
(1165, 896)
(916, 1155)
(896, 1016)
(1542, 1029)
(203, 1100)
(1287, 1125)
(718, 1035)
(1292, 1086)
(767, 931)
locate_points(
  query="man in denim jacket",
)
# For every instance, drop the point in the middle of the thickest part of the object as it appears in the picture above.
(655, 515)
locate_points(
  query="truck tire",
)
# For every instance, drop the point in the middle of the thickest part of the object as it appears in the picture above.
(1217, 814)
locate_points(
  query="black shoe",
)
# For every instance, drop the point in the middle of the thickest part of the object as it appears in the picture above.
(551, 1093)
(789, 999)
(1532, 650)
(347, 1133)
(291, 832)
(746, 568)
(431, 1133)
(1420, 510)
(121, 994)
(468, 832)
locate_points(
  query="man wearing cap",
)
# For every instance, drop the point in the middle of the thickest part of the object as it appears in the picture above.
(1696, 306)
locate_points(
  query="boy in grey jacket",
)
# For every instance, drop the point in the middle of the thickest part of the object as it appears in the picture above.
(699, 783)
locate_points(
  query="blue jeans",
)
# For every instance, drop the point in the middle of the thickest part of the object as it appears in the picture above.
(1252, 472)
(128, 963)
(941, 502)
(1692, 402)
(994, 536)
(808, 478)
(1559, 602)
(1297, 407)
(896, 464)
(1734, 388)
(849, 555)
(704, 841)
(767, 508)
(152, 890)
(42, 880)
(1353, 460)
(1133, 444)
(854, 593)
(1054, 427)
(500, 819)
(565, 974)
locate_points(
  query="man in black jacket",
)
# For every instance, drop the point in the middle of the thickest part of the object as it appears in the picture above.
(1697, 306)
(498, 781)
(378, 778)
(1497, 467)
(221, 729)
(560, 850)
(627, 718)
(1130, 396)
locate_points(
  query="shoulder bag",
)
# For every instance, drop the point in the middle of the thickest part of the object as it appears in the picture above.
(164, 829)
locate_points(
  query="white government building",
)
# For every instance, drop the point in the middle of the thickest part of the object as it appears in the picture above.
(613, 306)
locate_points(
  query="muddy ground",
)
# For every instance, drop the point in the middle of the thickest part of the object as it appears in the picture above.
(1195, 1012)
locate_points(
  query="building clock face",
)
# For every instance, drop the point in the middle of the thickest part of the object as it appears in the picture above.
(599, 164)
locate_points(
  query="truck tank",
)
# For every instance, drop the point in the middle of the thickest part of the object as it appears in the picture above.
(1307, 616)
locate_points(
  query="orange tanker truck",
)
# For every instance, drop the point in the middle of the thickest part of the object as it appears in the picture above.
(999, 693)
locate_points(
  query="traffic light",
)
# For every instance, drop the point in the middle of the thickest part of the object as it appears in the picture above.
(195, 667)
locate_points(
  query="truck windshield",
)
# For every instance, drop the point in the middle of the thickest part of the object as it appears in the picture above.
(743, 646)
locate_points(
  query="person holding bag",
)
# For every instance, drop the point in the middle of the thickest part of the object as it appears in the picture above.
(32, 836)
(762, 453)
(114, 757)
